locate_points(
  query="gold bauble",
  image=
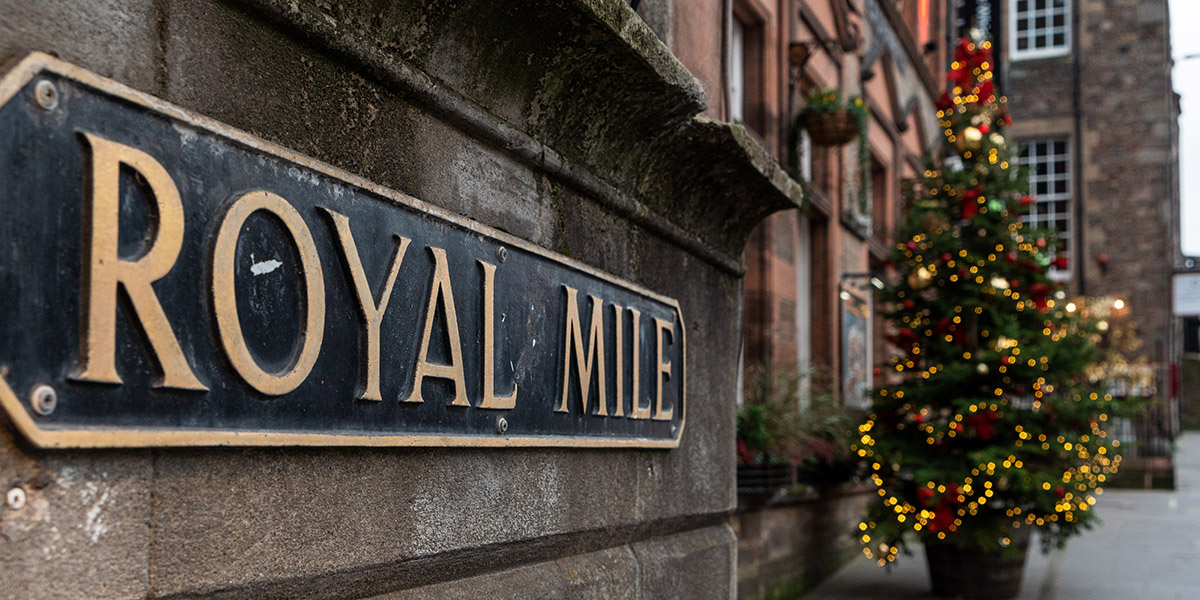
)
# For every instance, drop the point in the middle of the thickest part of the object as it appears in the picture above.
(970, 139)
(920, 278)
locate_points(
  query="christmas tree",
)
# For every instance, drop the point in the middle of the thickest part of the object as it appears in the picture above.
(990, 425)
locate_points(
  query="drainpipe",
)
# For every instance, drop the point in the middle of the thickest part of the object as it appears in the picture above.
(726, 36)
(1077, 101)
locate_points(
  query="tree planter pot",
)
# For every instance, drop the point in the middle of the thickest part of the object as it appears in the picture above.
(830, 128)
(978, 574)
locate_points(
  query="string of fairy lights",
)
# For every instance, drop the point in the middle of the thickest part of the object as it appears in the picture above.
(988, 352)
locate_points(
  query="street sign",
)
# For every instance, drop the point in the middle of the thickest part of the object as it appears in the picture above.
(166, 280)
(1185, 294)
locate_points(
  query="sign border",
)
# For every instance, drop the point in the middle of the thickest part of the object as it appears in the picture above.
(34, 63)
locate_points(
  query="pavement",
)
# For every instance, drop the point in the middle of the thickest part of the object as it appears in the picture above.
(1147, 547)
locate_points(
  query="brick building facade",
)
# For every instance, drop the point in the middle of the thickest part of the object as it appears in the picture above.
(808, 292)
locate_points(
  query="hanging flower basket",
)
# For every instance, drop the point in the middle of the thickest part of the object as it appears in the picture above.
(831, 119)
(834, 128)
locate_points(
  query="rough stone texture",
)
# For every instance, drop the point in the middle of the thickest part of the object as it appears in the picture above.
(693, 564)
(776, 554)
(581, 135)
(262, 515)
(609, 573)
(84, 529)
(115, 38)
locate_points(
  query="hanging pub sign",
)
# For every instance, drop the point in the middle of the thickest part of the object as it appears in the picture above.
(166, 280)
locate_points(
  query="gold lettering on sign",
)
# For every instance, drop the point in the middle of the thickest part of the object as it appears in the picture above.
(620, 350)
(104, 270)
(636, 410)
(663, 368)
(490, 399)
(440, 289)
(229, 325)
(371, 312)
(573, 341)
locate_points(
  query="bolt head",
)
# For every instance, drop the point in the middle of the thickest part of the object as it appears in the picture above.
(15, 499)
(46, 95)
(43, 399)
(502, 254)
(501, 425)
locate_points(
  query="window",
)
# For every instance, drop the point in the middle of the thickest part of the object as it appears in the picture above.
(737, 73)
(879, 201)
(1049, 164)
(923, 35)
(745, 68)
(806, 156)
(1039, 28)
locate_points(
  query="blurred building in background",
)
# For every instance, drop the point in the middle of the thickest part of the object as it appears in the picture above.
(1089, 87)
(809, 271)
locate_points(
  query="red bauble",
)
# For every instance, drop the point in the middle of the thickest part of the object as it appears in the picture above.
(909, 304)
(986, 91)
(944, 102)
(1027, 200)
(911, 245)
(1061, 262)
(924, 495)
(970, 209)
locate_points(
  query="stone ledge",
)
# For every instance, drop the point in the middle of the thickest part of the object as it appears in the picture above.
(645, 152)
(489, 564)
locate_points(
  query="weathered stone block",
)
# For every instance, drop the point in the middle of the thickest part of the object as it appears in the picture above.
(84, 531)
(693, 564)
(116, 38)
(607, 574)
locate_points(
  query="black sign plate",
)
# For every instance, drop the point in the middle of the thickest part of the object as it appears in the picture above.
(168, 281)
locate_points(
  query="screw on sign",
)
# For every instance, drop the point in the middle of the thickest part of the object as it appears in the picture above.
(15, 499)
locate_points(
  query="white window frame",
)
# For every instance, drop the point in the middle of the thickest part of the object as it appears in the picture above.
(1041, 199)
(737, 72)
(1033, 53)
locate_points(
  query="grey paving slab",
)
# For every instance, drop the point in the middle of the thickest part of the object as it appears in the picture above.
(1147, 547)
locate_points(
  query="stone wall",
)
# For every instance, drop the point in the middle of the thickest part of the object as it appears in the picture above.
(568, 124)
(787, 548)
